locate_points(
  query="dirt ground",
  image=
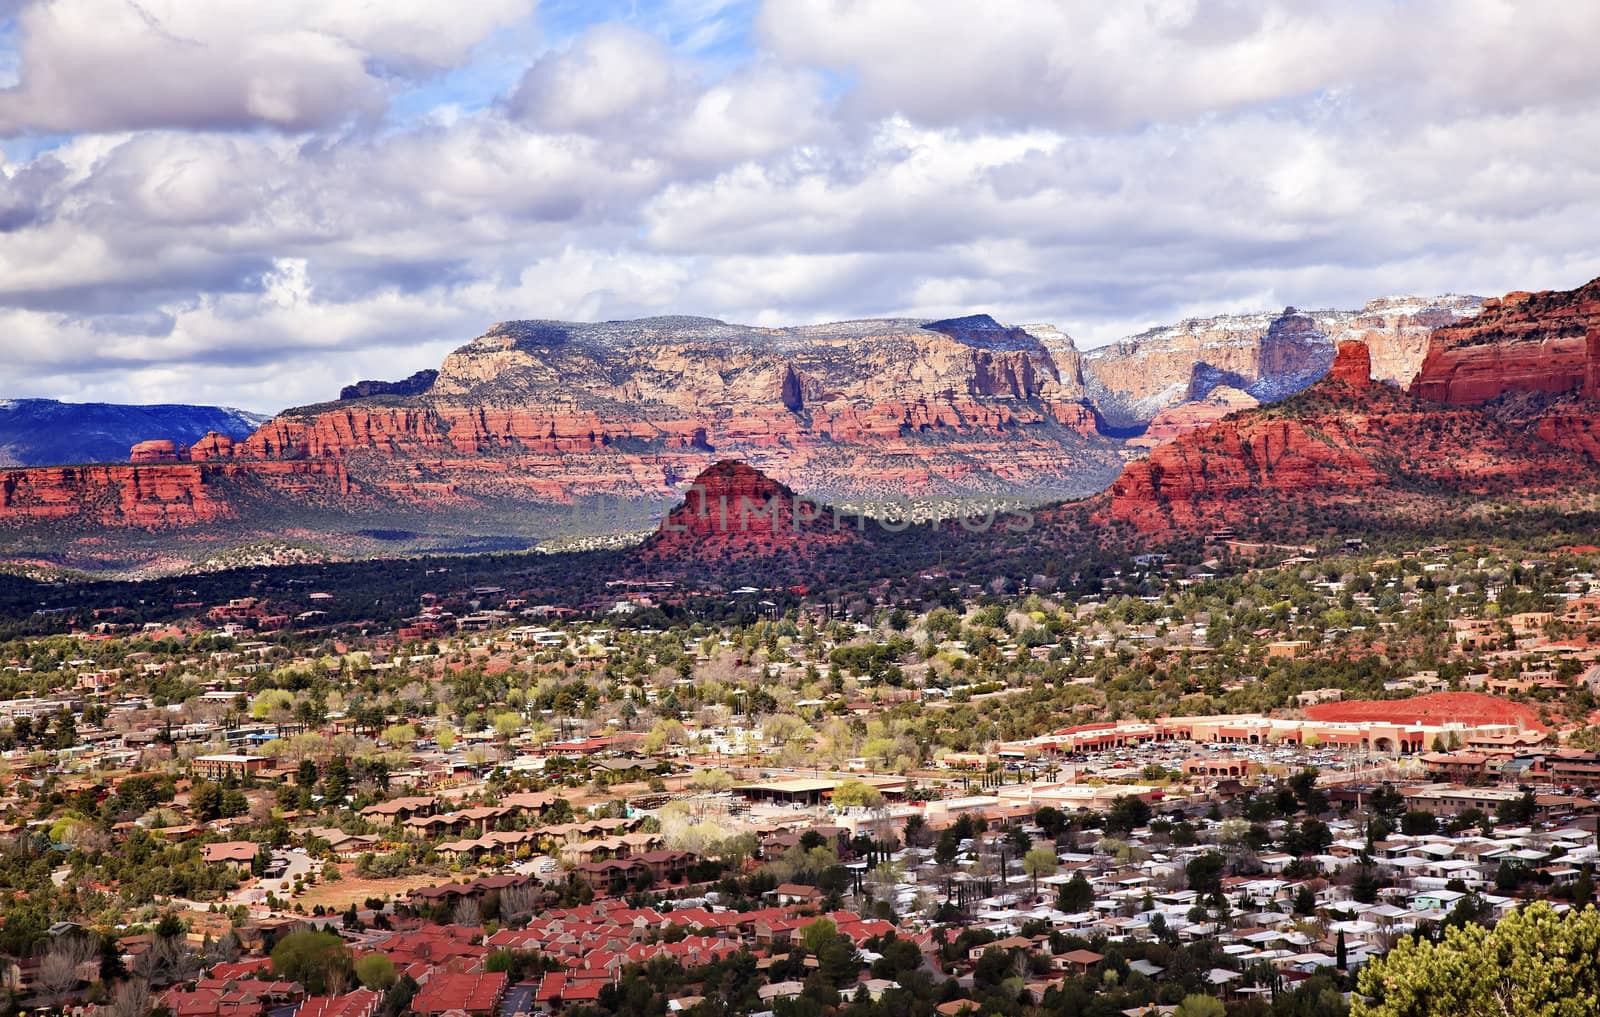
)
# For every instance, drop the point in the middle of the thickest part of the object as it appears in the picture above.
(350, 890)
(1437, 707)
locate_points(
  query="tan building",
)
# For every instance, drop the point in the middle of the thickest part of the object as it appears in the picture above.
(238, 854)
(227, 764)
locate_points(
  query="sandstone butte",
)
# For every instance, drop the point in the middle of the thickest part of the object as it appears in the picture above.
(167, 494)
(1502, 404)
(546, 412)
(1545, 342)
(733, 511)
(550, 410)
(1266, 356)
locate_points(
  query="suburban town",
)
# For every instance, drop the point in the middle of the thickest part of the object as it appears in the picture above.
(1231, 783)
(799, 508)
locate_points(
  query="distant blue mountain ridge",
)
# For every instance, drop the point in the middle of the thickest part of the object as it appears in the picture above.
(47, 432)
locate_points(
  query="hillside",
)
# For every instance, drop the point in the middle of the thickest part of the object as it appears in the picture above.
(1268, 356)
(542, 432)
(1502, 411)
(733, 512)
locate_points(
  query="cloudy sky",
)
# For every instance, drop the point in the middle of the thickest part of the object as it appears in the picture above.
(255, 203)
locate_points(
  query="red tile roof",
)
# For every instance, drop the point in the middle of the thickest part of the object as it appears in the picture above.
(475, 992)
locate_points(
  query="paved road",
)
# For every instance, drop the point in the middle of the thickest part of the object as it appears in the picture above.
(519, 1000)
(297, 865)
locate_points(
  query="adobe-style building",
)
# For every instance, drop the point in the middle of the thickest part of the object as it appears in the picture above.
(230, 764)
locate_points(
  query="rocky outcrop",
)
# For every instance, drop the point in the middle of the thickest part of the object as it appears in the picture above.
(1356, 447)
(211, 446)
(1178, 420)
(415, 385)
(1396, 331)
(536, 414)
(732, 511)
(160, 495)
(522, 427)
(1266, 355)
(1221, 475)
(864, 408)
(158, 451)
(1352, 366)
(1546, 343)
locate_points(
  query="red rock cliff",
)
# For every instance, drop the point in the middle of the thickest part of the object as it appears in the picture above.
(158, 451)
(1348, 444)
(158, 495)
(734, 511)
(1352, 365)
(1267, 355)
(1545, 342)
(548, 412)
(553, 410)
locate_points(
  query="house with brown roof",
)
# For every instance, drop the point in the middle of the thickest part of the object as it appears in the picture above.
(795, 893)
(1079, 961)
(397, 810)
(666, 866)
(235, 853)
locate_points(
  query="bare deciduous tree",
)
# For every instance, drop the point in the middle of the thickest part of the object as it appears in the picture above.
(224, 950)
(167, 960)
(518, 903)
(61, 967)
(337, 978)
(132, 999)
(466, 913)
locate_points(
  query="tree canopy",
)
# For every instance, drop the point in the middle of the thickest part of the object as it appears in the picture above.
(317, 960)
(1534, 963)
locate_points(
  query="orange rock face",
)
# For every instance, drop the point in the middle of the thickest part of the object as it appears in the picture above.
(734, 511)
(1352, 365)
(1351, 443)
(1215, 474)
(1348, 442)
(553, 411)
(212, 446)
(1545, 342)
(159, 451)
(1178, 420)
(550, 412)
(155, 495)
(1397, 329)
(1267, 355)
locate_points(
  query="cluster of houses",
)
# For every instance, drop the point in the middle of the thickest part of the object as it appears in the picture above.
(584, 949)
(1298, 916)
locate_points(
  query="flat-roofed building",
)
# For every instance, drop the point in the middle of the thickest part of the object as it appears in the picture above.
(230, 764)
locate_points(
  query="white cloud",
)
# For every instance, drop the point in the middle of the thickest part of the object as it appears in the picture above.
(757, 112)
(1104, 168)
(1086, 64)
(97, 65)
(613, 75)
(621, 85)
